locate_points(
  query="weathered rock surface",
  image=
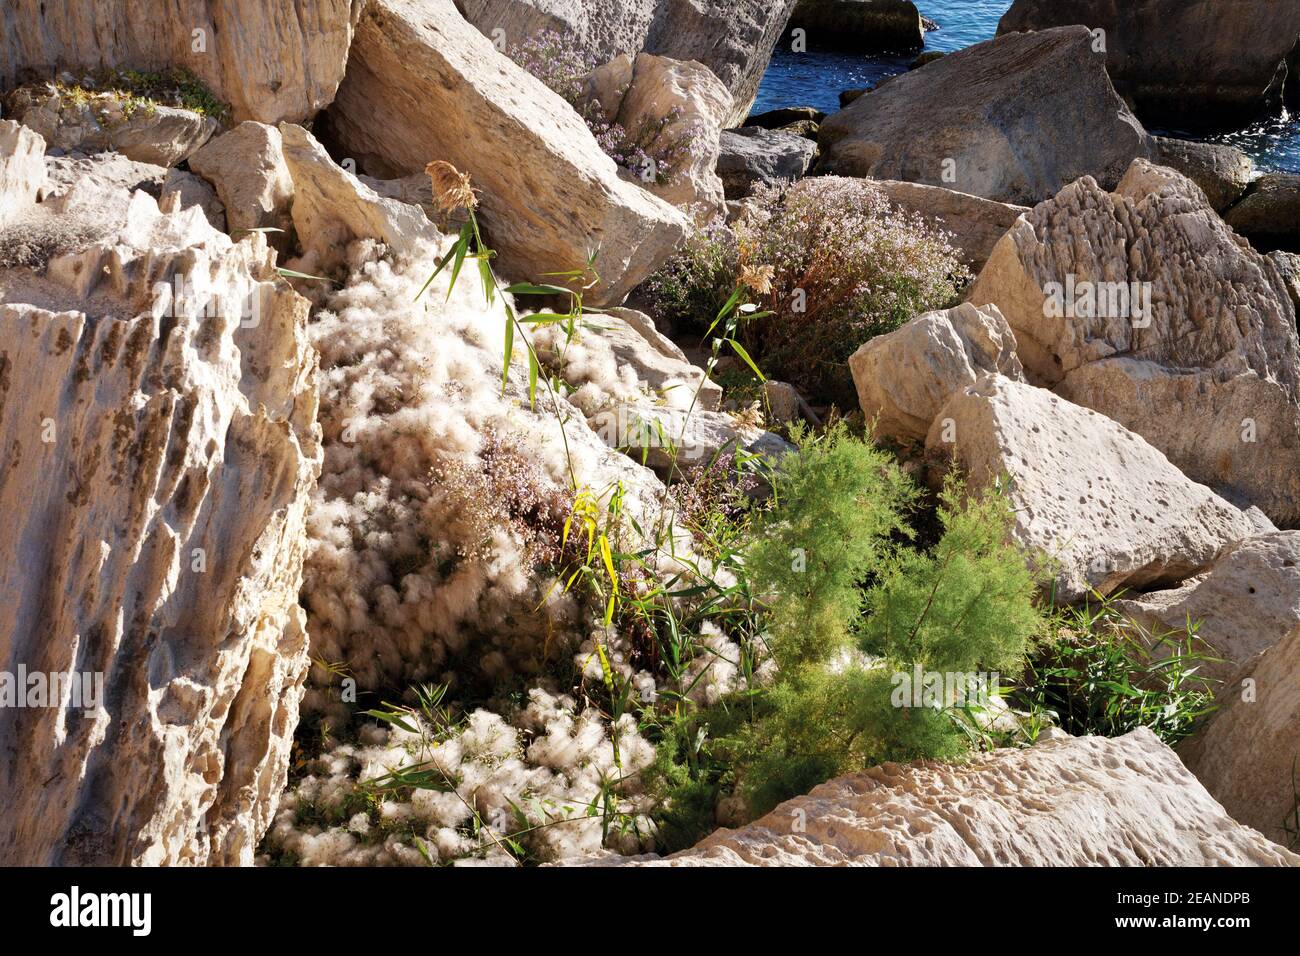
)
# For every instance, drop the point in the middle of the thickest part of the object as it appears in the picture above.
(1269, 215)
(331, 207)
(1076, 279)
(751, 156)
(864, 26)
(1288, 266)
(785, 116)
(1245, 602)
(183, 190)
(905, 377)
(976, 224)
(246, 166)
(161, 135)
(1223, 172)
(1075, 801)
(1102, 507)
(271, 60)
(1185, 62)
(1012, 119)
(467, 104)
(157, 424)
(733, 38)
(1247, 756)
(22, 169)
(675, 111)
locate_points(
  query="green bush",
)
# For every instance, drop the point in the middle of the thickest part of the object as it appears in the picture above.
(847, 606)
(833, 263)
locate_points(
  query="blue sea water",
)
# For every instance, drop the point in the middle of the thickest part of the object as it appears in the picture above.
(816, 78)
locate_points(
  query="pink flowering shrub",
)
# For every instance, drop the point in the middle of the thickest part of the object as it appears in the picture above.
(831, 261)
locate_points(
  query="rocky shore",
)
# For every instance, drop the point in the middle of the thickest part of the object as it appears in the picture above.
(399, 400)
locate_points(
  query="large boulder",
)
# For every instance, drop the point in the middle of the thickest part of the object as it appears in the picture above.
(158, 428)
(1288, 267)
(1012, 119)
(1244, 603)
(1143, 305)
(1223, 172)
(674, 111)
(467, 104)
(271, 60)
(246, 167)
(1070, 801)
(1098, 507)
(22, 169)
(975, 224)
(1185, 62)
(98, 122)
(864, 26)
(751, 156)
(1269, 215)
(905, 377)
(733, 38)
(1248, 756)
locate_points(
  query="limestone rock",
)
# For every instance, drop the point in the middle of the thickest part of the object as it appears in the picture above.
(975, 224)
(1223, 172)
(271, 60)
(331, 207)
(1076, 801)
(1247, 756)
(733, 38)
(785, 116)
(1288, 266)
(1245, 602)
(905, 377)
(160, 135)
(186, 190)
(1211, 376)
(22, 169)
(752, 156)
(1185, 62)
(1012, 119)
(157, 424)
(467, 104)
(1269, 216)
(1103, 507)
(864, 26)
(675, 111)
(247, 168)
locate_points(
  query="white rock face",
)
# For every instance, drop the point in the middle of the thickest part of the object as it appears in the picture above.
(159, 457)
(246, 167)
(1143, 305)
(331, 207)
(904, 378)
(1012, 119)
(1245, 602)
(1248, 755)
(733, 38)
(1103, 506)
(465, 103)
(1075, 801)
(163, 135)
(22, 169)
(271, 60)
(676, 110)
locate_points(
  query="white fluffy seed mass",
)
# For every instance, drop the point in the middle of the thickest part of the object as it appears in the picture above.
(551, 783)
(440, 495)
